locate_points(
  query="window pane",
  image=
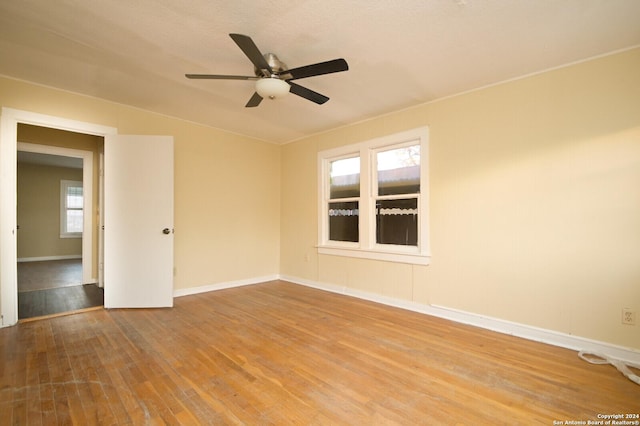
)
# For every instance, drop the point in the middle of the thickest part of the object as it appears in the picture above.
(74, 220)
(397, 222)
(74, 197)
(343, 221)
(399, 171)
(344, 178)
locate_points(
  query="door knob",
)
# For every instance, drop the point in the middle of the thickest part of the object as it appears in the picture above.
(166, 231)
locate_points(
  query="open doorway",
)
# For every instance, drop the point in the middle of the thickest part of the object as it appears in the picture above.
(9, 120)
(147, 262)
(56, 253)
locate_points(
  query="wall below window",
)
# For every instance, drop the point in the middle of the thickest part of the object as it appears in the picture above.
(534, 203)
(39, 212)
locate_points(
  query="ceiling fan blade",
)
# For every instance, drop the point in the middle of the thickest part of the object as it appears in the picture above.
(220, 77)
(307, 93)
(254, 101)
(328, 67)
(251, 50)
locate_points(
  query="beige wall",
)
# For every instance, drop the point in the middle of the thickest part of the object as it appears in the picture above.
(39, 211)
(227, 187)
(534, 203)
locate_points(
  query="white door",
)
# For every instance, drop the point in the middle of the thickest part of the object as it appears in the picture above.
(138, 221)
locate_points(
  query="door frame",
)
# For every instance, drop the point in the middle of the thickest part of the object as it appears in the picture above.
(87, 191)
(9, 119)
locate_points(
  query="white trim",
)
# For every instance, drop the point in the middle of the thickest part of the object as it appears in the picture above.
(524, 331)
(101, 221)
(221, 286)
(9, 120)
(46, 258)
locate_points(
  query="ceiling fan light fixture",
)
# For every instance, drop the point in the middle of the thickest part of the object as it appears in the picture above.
(272, 88)
(272, 75)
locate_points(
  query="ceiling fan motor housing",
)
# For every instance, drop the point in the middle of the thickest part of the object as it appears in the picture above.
(277, 66)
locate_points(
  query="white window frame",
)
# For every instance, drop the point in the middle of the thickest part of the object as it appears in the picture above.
(367, 247)
(64, 184)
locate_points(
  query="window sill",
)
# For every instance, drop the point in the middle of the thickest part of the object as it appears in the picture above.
(71, 235)
(411, 258)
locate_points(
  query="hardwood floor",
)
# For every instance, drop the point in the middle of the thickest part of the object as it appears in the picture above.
(48, 274)
(53, 287)
(279, 353)
(57, 300)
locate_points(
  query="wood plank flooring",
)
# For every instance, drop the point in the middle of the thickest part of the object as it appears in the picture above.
(279, 353)
(53, 287)
(48, 274)
(57, 300)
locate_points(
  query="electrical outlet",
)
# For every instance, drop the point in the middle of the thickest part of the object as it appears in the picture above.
(628, 316)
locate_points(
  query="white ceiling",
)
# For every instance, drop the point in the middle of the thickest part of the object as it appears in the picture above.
(400, 52)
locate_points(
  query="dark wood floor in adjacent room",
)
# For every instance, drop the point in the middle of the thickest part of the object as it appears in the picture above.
(53, 287)
(279, 353)
(58, 300)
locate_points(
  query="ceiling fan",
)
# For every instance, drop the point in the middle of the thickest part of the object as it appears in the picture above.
(273, 79)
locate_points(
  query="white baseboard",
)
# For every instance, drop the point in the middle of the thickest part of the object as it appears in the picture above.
(221, 286)
(44, 258)
(524, 331)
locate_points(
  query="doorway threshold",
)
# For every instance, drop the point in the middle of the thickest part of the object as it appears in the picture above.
(60, 314)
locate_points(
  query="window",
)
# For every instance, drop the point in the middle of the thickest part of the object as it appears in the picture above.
(71, 209)
(344, 193)
(373, 199)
